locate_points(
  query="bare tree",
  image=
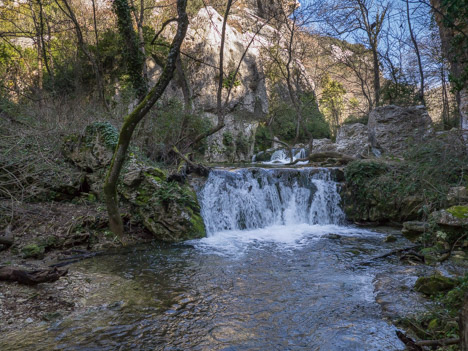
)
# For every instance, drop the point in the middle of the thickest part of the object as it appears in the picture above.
(454, 37)
(66, 8)
(418, 54)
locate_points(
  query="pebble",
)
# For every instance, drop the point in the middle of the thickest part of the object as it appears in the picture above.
(29, 320)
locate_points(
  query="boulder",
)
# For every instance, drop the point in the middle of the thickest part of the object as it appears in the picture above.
(455, 216)
(169, 210)
(352, 140)
(434, 285)
(392, 128)
(457, 195)
(413, 229)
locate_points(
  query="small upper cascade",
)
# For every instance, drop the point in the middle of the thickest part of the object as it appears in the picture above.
(256, 198)
(282, 156)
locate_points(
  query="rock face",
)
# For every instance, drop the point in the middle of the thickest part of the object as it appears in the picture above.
(169, 210)
(270, 8)
(235, 142)
(392, 128)
(248, 99)
(249, 34)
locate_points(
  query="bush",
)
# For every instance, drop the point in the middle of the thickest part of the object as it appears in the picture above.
(172, 126)
(283, 119)
(351, 119)
(410, 188)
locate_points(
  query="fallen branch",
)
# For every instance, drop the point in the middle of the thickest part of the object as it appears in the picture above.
(31, 277)
(193, 167)
(320, 156)
(391, 253)
(447, 255)
(77, 258)
(409, 343)
(441, 342)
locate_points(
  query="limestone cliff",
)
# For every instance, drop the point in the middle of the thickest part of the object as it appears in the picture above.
(249, 35)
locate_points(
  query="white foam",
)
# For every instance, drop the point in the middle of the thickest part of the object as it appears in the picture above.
(284, 237)
(282, 156)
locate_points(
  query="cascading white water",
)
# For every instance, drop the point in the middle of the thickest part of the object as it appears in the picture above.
(282, 156)
(254, 198)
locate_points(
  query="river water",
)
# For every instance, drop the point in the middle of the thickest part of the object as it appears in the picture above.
(279, 270)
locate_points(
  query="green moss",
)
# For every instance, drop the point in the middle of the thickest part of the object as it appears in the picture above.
(460, 212)
(198, 227)
(33, 251)
(434, 285)
(157, 174)
(105, 130)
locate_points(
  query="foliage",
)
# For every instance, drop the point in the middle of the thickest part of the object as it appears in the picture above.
(399, 93)
(173, 192)
(132, 55)
(283, 119)
(409, 188)
(229, 81)
(332, 102)
(263, 137)
(456, 12)
(351, 119)
(439, 321)
(106, 131)
(172, 125)
(194, 6)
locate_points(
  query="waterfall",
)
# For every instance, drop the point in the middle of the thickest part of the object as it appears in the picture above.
(282, 156)
(253, 198)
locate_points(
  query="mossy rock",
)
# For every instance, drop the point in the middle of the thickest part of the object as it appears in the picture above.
(390, 239)
(169, 210)
(33, 251)
(434, 285)
(460, 212)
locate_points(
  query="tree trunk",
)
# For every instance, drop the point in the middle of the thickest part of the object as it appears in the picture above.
(133, 56)
(464, 324)
(131, 121)
(458, 59)
(84, 48)
(418, 55)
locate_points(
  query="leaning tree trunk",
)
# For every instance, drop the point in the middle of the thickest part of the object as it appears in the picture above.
(131, 121)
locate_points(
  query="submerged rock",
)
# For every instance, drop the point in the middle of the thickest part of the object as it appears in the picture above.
(413, 229)
(434, 285)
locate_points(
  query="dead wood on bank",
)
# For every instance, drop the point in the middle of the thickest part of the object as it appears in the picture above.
(39, 276)
(340, 158)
